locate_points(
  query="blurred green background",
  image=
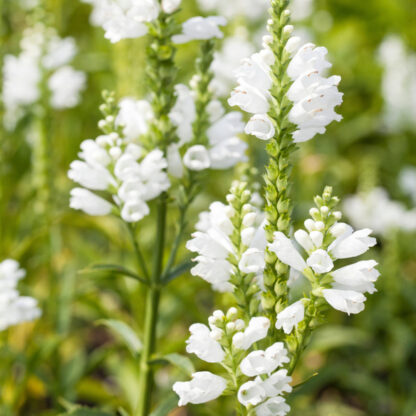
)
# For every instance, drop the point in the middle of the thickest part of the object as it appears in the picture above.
(364, 365)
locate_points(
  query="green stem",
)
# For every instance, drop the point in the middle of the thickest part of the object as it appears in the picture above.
(151, 315)
(139, 255)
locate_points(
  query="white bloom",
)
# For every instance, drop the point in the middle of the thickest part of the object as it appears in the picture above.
(252, 261)
(314, 96)
(249, 99)
(201, 28)
(251, 393)
(359, 277)
(320, 262)
(134, 210)
(174, 160)
(352, 245)
(14, 309)
(170, 6)
(264, 362)
(134, 116)
(88, 202)
(251, 9)
(122, 19)
(277, 383)
(66, 85)
(304, 239)
(276, 406)
(256, 330)
(59, 52)
(347, 301)
(203, 345)
(89, 176)
(261, 126)
(197, 158)
(290, 317)
(286, 252)
(203, 388)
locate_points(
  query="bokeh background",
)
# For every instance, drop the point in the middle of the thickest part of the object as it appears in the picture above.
(363, 365)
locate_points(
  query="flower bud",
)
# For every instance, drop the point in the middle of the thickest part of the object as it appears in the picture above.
(337, 215)
(309, 224)
(232, 313)
(313, 212)
(249, 219)
(240, 324)
(230, 326)
(288, 29)
(218, 314)
(319, 225)
(324, 210)
(216, 334)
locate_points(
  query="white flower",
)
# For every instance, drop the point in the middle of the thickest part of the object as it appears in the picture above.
(66, 85)
(320, 262)
(251, 9)
(261, 126)
(352, 245)
(123, 19)
(170, 6)
(276, 406)
(251, 393)
(88, 202)
(290, 317)
(134, 210)
(264, 362)
(59, 52)
(201, 28)
(203, 345)
(203, 388)
(252, 261)
(256, 330)
(174, 160)
(89, 176)
(286, 252)
(314, 97)
(347, 301)
(277, 383)
(359, 277)
(14, 309)
(197, 158)
(134, 116)
(249, 99)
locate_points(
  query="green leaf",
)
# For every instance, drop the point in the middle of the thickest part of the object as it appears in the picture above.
(166, 406)
(180, 361)
(333, 336)
(125, 332)
(178, 271)
(123, 412)
(112, 268)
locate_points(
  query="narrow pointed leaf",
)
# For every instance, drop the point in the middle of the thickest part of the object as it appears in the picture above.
(112, 268)
(179, 361)
(178, 271)
(123, 331)
(166, 406)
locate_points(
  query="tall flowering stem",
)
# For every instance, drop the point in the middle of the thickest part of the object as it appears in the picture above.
(280, 147)
(161, 78)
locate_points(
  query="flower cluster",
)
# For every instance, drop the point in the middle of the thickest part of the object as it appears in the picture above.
(376, 210)
(223, 149)
(253, 376)
(44, 59)
(324, 240)
(14, 309)
(313, 96)
(201, 28)
(116, 165)
(124, 19)
(229, 240)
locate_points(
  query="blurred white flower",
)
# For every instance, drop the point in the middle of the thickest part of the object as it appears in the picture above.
(14, 309)
(201, 28)
(66, 85)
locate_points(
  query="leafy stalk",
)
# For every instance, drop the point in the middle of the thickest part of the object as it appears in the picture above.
(277, 177)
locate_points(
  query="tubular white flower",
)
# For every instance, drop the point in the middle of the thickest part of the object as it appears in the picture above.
(251, 393)
(203, 345)
(290, 317)
(304, 239)
(134, 116)
(352, 245)
(201, 28)
(197, 158)
(252, 261)
(320, 262)
(276, 406)
(249, 99)
(134, 210)
(277, 384)
(359, 277)
(256, 330)
(264, 362)
(347, 301)
(261, 126)
(88, 202)
(14, 309)
(203, 388)
(286, 252)
(170, 6)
